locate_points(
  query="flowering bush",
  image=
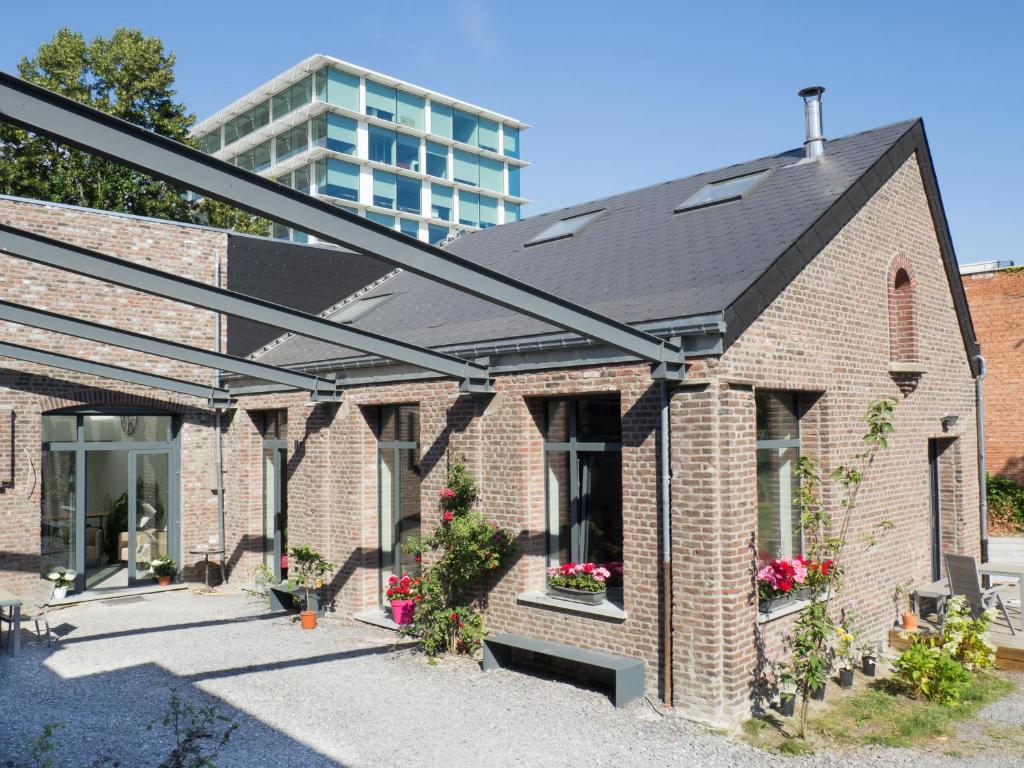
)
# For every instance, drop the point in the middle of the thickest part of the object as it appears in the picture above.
(405, 588)
(163, 566)
(586, 577)
(61, 576)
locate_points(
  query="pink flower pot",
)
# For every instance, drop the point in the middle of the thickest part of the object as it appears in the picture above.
(402, 611)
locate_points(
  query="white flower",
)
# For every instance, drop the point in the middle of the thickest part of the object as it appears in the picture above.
(70, 574)
(53, 576)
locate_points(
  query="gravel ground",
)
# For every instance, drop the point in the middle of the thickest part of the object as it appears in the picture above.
(342, 696)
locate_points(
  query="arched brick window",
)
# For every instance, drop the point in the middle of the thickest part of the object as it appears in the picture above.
(902, 313)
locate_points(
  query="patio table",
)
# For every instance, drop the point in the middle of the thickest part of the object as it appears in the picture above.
(1009, 570)
(12, 601)
(206, 552)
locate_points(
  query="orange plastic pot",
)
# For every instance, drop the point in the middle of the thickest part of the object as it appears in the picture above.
(909, 620)
(308, 619)
(163, 581)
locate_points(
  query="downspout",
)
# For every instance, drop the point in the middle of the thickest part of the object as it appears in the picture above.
(218, 457)
(979, 397)
(666, 549)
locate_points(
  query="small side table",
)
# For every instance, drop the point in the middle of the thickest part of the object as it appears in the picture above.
(206, 552)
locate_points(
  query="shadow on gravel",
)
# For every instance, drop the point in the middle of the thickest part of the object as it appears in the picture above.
(274, 666)
(158, 628)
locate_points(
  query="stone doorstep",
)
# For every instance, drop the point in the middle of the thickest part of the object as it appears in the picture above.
(378, 617)
(92, 595)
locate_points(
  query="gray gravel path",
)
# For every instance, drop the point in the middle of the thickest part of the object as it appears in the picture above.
(340, 696)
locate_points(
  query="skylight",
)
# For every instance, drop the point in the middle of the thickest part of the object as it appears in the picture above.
(564, 227)
(722, 191)
(352, 312)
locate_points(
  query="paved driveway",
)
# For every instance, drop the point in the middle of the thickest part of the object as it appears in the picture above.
(339, 696)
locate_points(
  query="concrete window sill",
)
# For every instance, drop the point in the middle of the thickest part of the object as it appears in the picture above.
(781, 611)
(907, 368)
(605, 610)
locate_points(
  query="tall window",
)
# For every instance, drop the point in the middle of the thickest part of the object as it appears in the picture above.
(398, 472)
(778, 452)
(583, 488)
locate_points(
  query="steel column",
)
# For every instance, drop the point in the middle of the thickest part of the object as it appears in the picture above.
(83, 329)
(65, 120)
(82, 261)
(217, 398)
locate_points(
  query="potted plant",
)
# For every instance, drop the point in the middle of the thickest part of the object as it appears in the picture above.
(403, 593)
(908, 618)
(62, 578)
(307, 570)
(868, 659)
(787, 691)
(164, 568)
(846, 646)
(579, 582)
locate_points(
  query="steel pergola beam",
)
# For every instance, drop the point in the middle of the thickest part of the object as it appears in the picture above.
(215, 396)
(37, 109)
(82, 261)
(319, 388)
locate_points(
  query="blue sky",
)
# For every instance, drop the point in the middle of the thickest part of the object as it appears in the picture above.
(622, 95)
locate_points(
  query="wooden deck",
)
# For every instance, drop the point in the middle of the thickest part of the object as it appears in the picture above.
(1009, 647)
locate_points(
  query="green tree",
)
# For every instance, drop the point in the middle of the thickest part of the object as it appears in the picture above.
(127, 75)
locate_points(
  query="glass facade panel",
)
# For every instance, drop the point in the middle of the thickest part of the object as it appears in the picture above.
(335, 132)
(209, 143)
(301, 177)
(338, 88)
(293, 97)
(279, 231)
(337, 178)
(381, 218)
(399, 488)
(778, 485)
(488, 134)
(291, 142)
(384, 189)
(382, 145)
(381, 101)
(436, 233)
(441, 120)
(464, 127)
(492, 175)
(409, 191)
(513, 180)
(488, 211)
(57, 542)
(111, 428)
(408, 153)
(256, 159)
(511, 141)
(60, 429)
(467, 168)
(410, 228)
(437, 160)
(469, 209)
(246, 123)
(441, 202)
(511, 212)
(410, 110)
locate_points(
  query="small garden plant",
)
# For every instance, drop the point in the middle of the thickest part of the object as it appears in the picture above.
(405, 588)
(61, 576)
(585, 577)
(467, 549)
(163, 566)
(308, 567)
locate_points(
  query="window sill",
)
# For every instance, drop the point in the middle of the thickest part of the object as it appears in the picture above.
(907, 368)
(781, 611)
(606, 610)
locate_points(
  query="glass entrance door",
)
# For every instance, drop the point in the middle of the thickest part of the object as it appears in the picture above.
(149, 474)
(274, 500)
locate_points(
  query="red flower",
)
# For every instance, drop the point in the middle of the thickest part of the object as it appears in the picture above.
(418, 558)
(393, 579)
(588, 567)
(447, 493)
(454, 616)
(448, 516)
(826, 567)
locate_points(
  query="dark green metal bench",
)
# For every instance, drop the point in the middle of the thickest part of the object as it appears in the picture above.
(624, 674)
(283, 597)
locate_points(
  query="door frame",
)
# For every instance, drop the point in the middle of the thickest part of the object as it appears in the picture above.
(280, 449)
(80, 448)
(935, 508)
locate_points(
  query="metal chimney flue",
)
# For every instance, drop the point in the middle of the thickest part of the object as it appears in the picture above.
(815, 141)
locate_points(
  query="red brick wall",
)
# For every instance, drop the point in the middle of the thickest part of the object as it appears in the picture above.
(997, 306)
(31, 390)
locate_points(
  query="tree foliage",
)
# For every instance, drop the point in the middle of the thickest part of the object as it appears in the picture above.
(129, 76)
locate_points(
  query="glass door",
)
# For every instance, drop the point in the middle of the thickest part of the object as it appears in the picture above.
(274, 500)
(149, 474)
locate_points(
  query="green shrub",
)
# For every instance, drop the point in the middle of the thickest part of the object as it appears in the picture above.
(1005, 500)
(966, 638)
(932, 672)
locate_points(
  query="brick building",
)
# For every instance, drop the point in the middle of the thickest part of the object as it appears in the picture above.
(801, 288)
(996, 295)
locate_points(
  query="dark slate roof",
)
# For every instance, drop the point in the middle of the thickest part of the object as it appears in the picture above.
(639, 261)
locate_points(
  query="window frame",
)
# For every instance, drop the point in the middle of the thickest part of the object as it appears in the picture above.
(780, 444)
(397, 446)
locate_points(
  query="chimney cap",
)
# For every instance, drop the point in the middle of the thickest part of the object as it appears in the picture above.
(811, 91)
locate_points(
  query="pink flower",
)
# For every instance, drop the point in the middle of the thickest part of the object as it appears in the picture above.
(447, 493)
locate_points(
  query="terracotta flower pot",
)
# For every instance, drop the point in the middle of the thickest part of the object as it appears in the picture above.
(910, 620)
(308, 619)
(163, 581)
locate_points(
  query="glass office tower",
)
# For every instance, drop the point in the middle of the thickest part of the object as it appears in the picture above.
(400, 155)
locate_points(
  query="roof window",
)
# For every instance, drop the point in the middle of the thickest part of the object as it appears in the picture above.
(723, 191)
(564, 227)
(358, 308)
